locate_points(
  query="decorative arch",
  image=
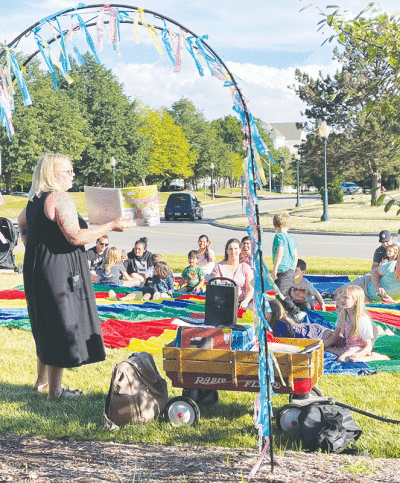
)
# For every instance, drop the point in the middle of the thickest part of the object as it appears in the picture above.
(56, 52)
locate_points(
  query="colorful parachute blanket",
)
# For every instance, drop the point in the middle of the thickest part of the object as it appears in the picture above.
(150, 325)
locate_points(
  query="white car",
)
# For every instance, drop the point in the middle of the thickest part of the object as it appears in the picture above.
(350, 188)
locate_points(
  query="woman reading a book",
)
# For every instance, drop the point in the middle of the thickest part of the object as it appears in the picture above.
(58, 286)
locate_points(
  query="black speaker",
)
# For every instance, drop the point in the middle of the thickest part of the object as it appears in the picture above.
(221, 302)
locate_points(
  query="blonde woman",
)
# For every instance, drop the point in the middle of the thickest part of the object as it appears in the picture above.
(59, 291)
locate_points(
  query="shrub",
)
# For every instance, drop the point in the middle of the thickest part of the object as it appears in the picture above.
(335, 194)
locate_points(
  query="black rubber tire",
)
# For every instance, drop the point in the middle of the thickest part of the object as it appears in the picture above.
(166, 217)
(200, 215)
(181, 411)
(202, 396)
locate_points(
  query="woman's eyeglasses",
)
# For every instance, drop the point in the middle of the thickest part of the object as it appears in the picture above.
(69, 171)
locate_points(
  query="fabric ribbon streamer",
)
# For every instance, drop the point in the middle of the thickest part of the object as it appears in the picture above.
(189, 46)
(114, 33)
(165, 37)
(71, 47)
(178, 56)
(149, 29)
(89, 39)
(51, 60)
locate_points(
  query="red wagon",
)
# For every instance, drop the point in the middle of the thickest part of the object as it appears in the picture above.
(205, 371)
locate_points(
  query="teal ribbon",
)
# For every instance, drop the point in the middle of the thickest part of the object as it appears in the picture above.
(189, 48)
(21, 81)
(167, 43)
(45, 56)
(89, 39)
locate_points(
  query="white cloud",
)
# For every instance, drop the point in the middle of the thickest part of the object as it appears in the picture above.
(265, 87)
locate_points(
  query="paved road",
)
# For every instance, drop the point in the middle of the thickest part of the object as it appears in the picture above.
(181, 236)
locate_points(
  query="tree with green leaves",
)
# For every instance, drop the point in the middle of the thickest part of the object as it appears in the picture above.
(373, 33)
(53, 123)
(204, 140)
(114, 125)
(170, 154)
(365, 141)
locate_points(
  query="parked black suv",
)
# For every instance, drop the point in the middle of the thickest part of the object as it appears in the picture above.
(183, 205)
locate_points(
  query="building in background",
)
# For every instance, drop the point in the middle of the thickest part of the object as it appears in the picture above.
(286, 134)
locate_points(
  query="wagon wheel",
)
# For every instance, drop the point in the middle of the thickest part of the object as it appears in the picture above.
(202, 396)
(181, 411)
(288, 417)
(315, 392)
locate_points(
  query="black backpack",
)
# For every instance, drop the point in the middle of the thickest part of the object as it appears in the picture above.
(326, 427)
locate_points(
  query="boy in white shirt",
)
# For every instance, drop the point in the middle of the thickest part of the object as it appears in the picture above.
(302, 292)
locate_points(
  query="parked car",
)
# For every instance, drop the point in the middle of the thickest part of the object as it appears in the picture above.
(183, 205)
(171, 187)
(350, 188)
(19, 193)
(312, 188)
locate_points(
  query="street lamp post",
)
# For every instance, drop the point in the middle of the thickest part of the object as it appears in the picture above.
(113, 162)
(324, 131)
(212, 180)
(282, 180)
(297, 156)
(274, 182)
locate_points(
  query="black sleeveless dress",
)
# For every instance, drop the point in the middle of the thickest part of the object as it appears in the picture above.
(63, 315)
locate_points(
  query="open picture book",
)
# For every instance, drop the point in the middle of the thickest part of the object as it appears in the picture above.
(139, 202)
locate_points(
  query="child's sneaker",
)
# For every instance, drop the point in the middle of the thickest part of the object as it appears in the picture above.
(139, 296)
(156, 296)
(164, 295)
(112, 295)
(300, 317)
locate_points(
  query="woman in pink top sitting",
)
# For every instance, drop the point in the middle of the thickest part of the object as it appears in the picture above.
(241, 273)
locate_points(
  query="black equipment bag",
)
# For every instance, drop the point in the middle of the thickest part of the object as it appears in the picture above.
(221, 302)
(326, 427)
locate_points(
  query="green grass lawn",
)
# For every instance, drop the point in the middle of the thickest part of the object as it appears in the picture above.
(228, 423)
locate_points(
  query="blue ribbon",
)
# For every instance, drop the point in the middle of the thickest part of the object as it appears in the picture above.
(89, 39)
(64, 59)
(4, 119)
(21, 81)
(46, 57)
(166, 40)
(189, 48)
(207, 58)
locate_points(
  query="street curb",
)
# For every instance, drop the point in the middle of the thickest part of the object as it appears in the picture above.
(298, 232)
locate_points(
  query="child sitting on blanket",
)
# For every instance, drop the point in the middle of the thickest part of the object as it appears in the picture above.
(283, 326)
(162, 285)
(302, 291)
(355, 325)
(113, 271)
(192, 275)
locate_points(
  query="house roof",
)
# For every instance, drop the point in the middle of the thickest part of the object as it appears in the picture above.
(292, 131)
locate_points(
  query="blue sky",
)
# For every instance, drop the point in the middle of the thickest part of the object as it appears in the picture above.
(262, 42)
